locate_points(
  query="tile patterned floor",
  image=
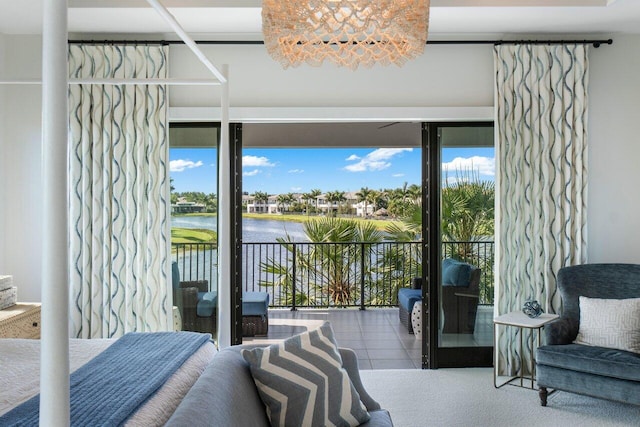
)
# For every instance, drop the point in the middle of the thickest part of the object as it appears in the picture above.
(376, 335)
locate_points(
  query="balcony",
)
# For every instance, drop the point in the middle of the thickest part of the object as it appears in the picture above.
(352, 285)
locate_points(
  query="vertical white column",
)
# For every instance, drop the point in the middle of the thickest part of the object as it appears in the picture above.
(54, 358)
(225, 248)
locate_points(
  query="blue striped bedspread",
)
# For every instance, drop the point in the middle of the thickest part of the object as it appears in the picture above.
(112, 386)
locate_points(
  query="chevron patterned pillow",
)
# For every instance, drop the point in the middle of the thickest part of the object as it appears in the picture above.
(302, 382)
(611, 323)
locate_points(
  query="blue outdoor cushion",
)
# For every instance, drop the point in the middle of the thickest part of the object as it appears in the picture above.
(455, 273)
(207, 302)
(175, 275)
(407, 297)
(255, 303)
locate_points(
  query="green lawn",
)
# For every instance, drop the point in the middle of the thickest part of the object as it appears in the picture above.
(192, 235)
(381, 224)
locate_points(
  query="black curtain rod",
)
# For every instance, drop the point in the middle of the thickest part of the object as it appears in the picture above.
(595, 43)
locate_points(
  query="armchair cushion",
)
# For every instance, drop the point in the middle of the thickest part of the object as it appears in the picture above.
(455, 273)
(255, 303)
(302, 382)
(407, 297)
(207, 302)
(592, 360)
(611, 323)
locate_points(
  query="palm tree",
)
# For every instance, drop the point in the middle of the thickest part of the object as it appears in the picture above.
(400, 201)
(315, 193)
(260, 196)
(380, 199)
(467, 213)
(281, 200)
(340, 199)
(211, 202)
(415, 191)
(364, 195)
(403, 192)
(334, 271)
(307, 199)
(289, 199)
(332, 197)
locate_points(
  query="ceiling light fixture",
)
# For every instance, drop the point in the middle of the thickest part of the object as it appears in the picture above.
(347, 32)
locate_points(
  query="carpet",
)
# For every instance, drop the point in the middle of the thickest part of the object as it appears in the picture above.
(466, 397)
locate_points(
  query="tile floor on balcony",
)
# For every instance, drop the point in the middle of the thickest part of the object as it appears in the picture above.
(375, 334)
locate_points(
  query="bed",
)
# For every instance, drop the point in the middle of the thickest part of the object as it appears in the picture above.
(20, 376)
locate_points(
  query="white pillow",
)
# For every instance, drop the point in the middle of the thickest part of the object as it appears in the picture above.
(612, 323)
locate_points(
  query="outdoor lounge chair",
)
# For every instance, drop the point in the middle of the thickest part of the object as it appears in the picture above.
(460, 294)
(197, 305)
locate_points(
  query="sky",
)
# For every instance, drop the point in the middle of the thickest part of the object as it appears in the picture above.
(285, 170)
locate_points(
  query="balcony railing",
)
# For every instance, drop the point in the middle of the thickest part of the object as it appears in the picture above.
(354, 274)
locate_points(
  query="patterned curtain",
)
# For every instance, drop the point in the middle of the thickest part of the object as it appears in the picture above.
(541, 133)
(119, 246)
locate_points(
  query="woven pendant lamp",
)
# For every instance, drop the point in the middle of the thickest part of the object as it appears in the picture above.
(348, 33)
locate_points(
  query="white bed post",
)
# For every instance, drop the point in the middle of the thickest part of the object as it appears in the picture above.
(54, 357)
(224, 220)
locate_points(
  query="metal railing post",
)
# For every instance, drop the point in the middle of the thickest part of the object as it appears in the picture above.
(293, 280)
(362, 276)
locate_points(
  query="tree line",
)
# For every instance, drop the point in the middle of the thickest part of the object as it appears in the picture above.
(395, 200)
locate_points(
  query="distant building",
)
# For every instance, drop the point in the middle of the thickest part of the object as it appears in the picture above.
(324, 206)
(187, 207)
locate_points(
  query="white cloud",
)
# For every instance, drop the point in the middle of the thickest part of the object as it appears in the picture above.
(376, 160)
(251, 173)
(482, 165)
(296, 171)
(255, 161)
(180, 165)
(296, 189)
(397, 175)
(352, 158)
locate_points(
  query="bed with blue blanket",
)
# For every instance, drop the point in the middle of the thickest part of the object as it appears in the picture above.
(138, 380)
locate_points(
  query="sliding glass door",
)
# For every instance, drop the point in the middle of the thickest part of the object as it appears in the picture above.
(194, 241)
(460, 230)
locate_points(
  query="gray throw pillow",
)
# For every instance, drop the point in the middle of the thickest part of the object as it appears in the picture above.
(302, 382)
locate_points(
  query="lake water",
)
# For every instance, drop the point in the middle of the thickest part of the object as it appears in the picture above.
(253, 230)
(203, 265)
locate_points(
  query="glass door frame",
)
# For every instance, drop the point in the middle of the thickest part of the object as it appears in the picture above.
(235, 287)
(434, 356)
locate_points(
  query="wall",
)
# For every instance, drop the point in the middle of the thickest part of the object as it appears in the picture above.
(614, 152)
(446, 76)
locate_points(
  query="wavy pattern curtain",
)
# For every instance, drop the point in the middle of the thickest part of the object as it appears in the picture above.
(118, 193)
(541, 132)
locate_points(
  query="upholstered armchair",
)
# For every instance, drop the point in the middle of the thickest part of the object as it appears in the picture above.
(567, 363)
(196, 303)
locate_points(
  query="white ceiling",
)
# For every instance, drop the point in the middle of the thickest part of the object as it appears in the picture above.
(240, 19)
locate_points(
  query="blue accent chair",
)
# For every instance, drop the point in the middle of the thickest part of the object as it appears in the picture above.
(590, 370)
